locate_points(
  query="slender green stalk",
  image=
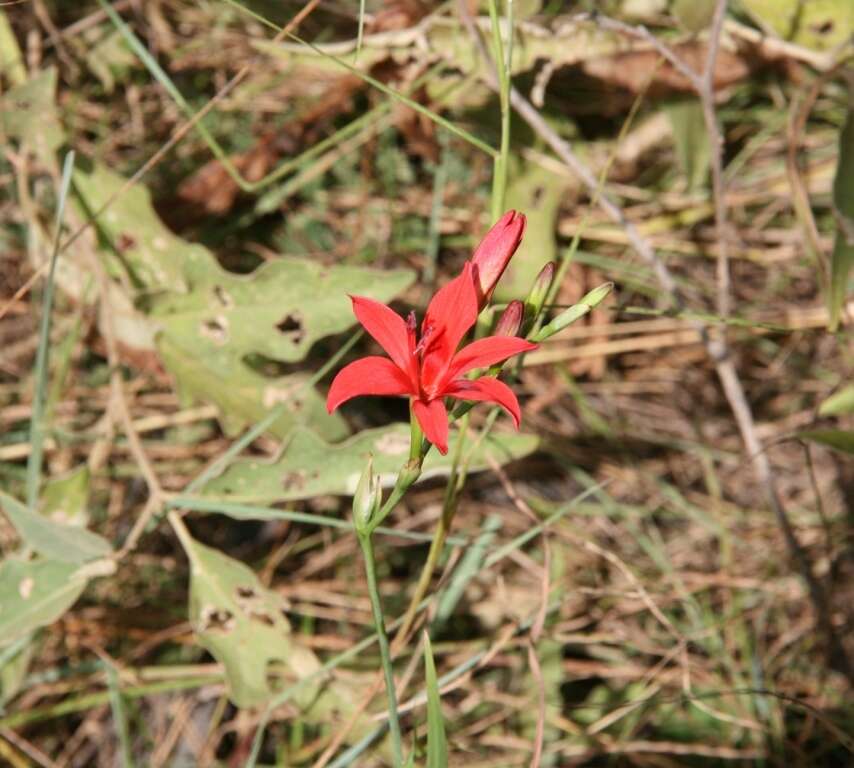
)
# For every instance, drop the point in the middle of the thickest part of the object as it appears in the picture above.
(502, 65)
(382, 638)
(37, 420)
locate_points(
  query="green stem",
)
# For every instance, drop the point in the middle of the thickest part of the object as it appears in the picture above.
(385, 654)
(440, 536)
(502, 65)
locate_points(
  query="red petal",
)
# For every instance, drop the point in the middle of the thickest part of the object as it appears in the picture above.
(368, 376)
(386, 326)
(495, 251)
(488, 390)
(433, 419)
(486, 352)
(452, 311)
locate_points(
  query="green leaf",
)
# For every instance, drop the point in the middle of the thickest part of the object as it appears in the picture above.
(65, 543)
(838, 439)
(35, 593)
(242, 624)
(210, 323)
(842, 258)
(437, 744)
(537, 192)
(818, 24)
(132, 235)
(15, 660)
(839, 403)
(309, 467)
(12, 64)
(28, 114)
(278, 311)
(244, 396)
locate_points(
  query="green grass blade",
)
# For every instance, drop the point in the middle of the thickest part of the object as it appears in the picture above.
(437, 742)
(842, 259)
(117, 706)
(37, 421)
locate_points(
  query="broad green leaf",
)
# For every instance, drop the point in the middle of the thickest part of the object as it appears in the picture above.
(838, 403)
(64, 499)
(244, 396)
(817, 24)
(537, 192)
(28, 114)
(309, 467)
(65, 543)
(437, 744)
(210, 322)
(278, 311)
(35, 593)
(244, 627)
(131, 233)
(691, 140)
(842, 259)
(838, 439)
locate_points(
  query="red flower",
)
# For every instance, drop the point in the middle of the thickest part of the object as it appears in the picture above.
(430, 368)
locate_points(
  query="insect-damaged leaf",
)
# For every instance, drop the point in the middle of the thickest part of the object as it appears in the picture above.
(278, 311)
(210, 323)
(309, 467)
(243, 626)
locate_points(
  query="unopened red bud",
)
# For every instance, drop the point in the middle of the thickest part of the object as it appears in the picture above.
(494, 253)
(511, 319)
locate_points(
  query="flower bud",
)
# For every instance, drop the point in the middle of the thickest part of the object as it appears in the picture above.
(494, 253)
(511, 319)
(366, 499)
(539, 291)
(573, 313)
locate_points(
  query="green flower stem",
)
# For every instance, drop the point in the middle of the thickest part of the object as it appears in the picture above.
(449, 508)
(385, 654)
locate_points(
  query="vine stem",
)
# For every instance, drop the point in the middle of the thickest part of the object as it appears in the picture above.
(385, 654)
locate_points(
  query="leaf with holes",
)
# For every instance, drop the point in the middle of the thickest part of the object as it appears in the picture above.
(309, 467)
(278, 311)
(34, 593)
(242, 624)
(65, 543)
